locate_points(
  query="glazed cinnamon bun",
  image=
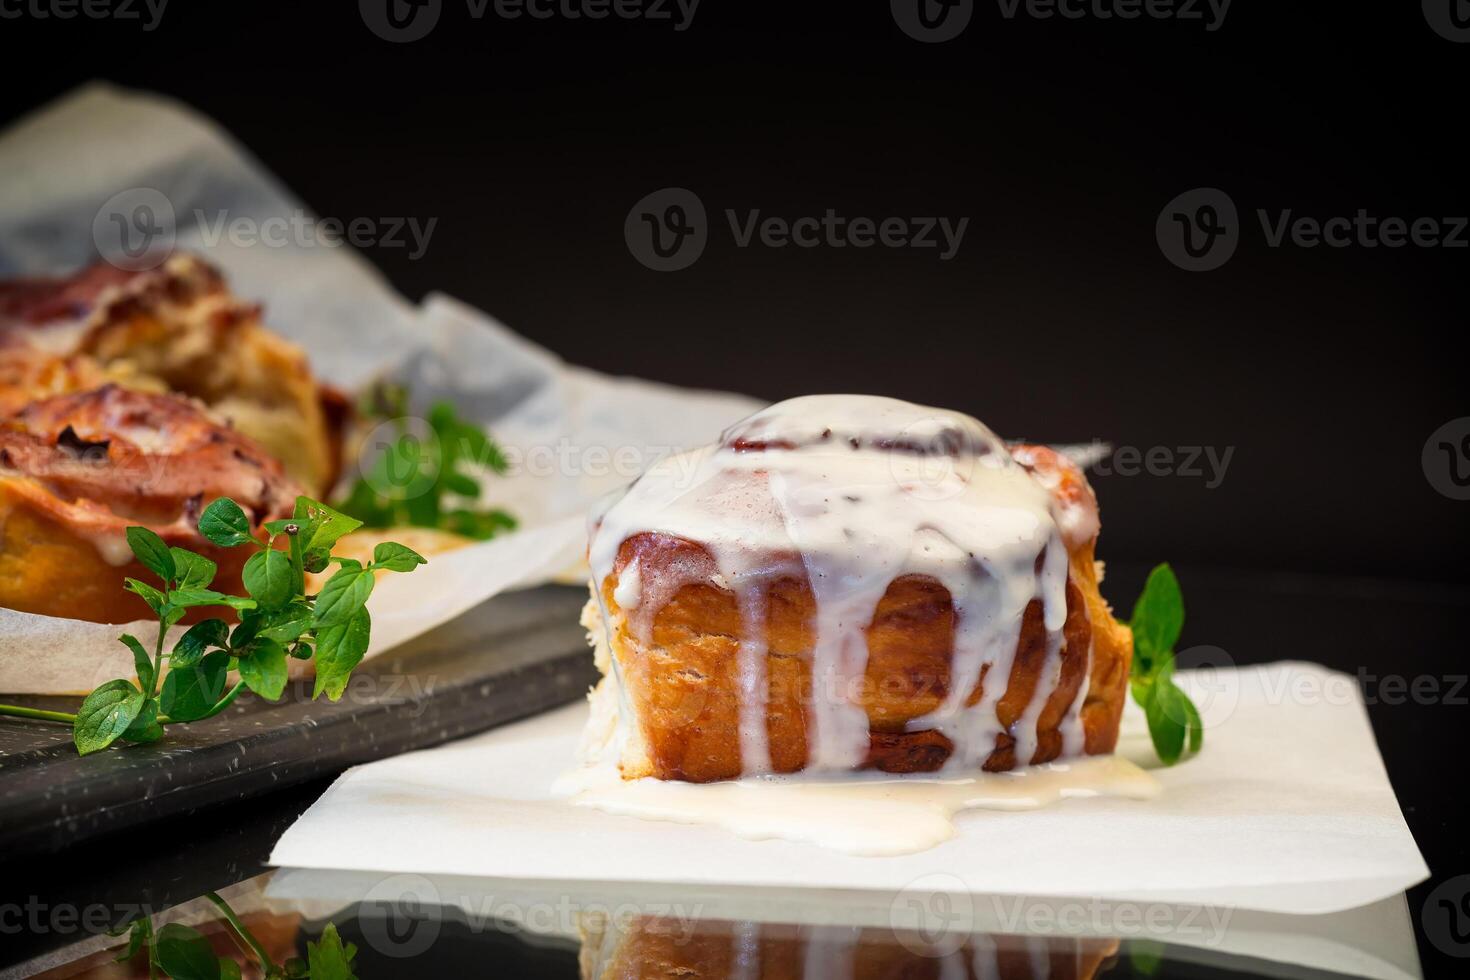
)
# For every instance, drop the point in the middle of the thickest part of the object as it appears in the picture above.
(173, 328)
(845, 583)
(77, 470)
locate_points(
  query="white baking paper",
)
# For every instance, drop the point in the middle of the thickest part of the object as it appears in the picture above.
(571, 434)
(1287, 809)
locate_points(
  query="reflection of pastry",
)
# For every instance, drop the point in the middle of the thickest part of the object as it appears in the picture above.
(76, 470)
(179, 328)
(847, 582)
(651, 948)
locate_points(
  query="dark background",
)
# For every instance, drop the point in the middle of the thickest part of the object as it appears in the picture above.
(1326, 369)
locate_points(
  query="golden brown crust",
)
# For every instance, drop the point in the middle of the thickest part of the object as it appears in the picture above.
(682, 683)
(175, 328)
(77, 470)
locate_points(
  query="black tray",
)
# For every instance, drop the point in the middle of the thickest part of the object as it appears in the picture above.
(508, 658)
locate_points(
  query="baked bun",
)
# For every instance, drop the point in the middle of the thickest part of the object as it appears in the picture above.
(845, 583)
(175, 328)
(77, 470)
(654, 948)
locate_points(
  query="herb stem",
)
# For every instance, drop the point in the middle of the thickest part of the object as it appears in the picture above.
(239, 927)
(37, 714)
(157, 658)
(151, 946)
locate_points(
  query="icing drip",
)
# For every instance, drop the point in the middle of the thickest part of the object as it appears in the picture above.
(850, 493)
(755, 753)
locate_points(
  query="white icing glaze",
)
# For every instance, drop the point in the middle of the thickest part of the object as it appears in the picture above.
(851, 492)
(630, 587)
(900, 814)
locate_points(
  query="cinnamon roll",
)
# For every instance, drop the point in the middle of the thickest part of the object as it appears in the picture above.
(174, 328)
(77, 470)
(848, 582)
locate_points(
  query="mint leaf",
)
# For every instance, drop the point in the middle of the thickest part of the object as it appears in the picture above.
(269, 578)
(285, 625)
(338, 650)
(137, 933)
(1158, 616)
(189, 692)
(224, 523)
(328, 959)
(1166, 721)
(396, 557)
(460, 484)
(1195, 724)
(196, 640)
(184, 954)
(1158, 620)
(152, 552)
(105, 715)
(322, 526)
(190, 598)
(145, 728)
(142, 663)
(193, 571)
(344, 595)
(264, 670)
(156, 600)
(1145, 956)
(228, 969)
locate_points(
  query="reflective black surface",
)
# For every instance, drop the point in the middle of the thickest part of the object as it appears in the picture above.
(1388, 630)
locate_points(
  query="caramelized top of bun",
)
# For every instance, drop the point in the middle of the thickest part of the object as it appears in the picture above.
(147, 458)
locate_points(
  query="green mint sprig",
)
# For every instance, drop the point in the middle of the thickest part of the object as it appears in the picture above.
(181, 952)
(277, 621)
(1157, 621)
(416, 480)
